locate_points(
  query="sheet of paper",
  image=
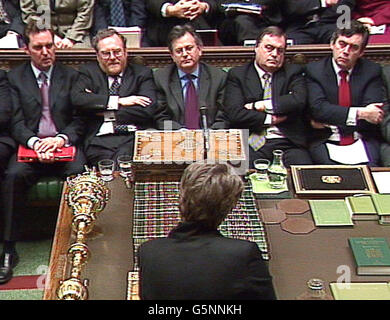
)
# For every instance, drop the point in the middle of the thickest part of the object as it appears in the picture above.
(352, 154)
(135, 29)
(382, 181)
(378, 29)
(9, 42)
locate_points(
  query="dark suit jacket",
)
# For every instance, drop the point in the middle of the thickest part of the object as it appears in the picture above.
(27, 105)
(171, 102)
(136, 80)
(288, 97)
(385, 125)
(135, 14)
(5, 111)
(158, 27)
(366, 85)
(12, 8)
(194, 263)
(295, 12)
(271, 15)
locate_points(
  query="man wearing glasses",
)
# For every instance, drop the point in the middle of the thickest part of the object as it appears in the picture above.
(116, 98)
(269, 98)
(173, 85)
(346, 95)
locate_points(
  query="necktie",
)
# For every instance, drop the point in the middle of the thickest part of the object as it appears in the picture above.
(3, 14)
(117, 13)
(345, 101)
(191, 105)
(255, 140)
(115, 86)
(47, 127)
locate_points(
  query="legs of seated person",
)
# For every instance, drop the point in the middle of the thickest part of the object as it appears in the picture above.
(312, 34)
(293, 155)
(20, 176)
(6, 152)
(109, 147)
(385, 154)
(320, 154)
(235, 30)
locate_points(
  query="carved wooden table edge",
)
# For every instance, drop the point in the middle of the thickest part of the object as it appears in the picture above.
(57, 266)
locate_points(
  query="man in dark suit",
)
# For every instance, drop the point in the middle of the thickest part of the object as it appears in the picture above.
(195, 261)
(113, 95)
(163, 15)
(314, 21)
(7, 143)
(43, 120)
(269, 98)
(346, 95)
(185, 47)
(134, 14)
(235, 28)
(385, 124)
(10, 18)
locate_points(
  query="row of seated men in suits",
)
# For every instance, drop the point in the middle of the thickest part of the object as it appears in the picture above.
(305, 21)
(52, 105)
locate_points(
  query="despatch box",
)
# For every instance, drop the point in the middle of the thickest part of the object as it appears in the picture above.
(178, 148)
(331, 181)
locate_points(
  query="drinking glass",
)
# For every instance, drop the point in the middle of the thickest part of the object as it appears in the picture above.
(261, 166)
(125, 165)
(106, 169)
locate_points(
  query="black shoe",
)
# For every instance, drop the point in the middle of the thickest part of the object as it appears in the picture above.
(8, 261)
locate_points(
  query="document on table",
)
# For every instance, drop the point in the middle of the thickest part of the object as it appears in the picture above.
(9, 42)
(382, 181)
(378, 29)
(355, 153)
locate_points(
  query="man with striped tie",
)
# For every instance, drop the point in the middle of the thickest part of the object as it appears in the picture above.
(268, 98)
(115, 96)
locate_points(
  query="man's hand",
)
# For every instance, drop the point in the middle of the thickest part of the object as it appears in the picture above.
(317, 125)
(372, 113)
(366, 21)
(64, 43)
(330, 3)
(45, 148)
(278, 119)
(258, 105)
(135, 100)
(188, 9)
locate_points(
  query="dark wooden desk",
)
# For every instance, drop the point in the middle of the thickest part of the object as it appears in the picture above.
(110, 247)
(324, 253)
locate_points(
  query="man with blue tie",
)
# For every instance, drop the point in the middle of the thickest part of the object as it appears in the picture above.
(188, 84)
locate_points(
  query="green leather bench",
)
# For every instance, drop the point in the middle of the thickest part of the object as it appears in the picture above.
(42, 204)
(46, 192)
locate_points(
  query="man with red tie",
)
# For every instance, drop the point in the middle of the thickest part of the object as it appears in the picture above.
(346, 95)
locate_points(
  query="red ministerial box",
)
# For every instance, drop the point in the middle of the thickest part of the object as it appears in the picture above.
(29, 155)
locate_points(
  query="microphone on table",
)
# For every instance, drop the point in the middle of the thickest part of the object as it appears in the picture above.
(206, 133)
